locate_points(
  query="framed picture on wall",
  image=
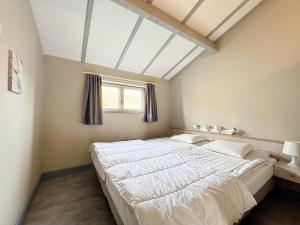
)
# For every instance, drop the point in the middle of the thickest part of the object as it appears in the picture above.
(14, 73)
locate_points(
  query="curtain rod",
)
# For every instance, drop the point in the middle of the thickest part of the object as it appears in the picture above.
(119, 78)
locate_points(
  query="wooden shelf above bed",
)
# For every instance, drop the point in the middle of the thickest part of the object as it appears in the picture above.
(228, 135)
(270, 145)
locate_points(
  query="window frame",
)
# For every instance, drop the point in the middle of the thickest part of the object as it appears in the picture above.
(119, 109)
(121, 88)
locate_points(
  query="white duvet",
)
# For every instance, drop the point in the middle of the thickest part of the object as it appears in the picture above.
(118, 153)
(179, 185)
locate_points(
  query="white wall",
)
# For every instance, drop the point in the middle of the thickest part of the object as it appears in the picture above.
(66, 139)
(252, 83)
(20, 115)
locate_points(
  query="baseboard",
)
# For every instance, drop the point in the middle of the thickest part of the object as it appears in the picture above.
(48, 175)
(59, 173)
(28, 204)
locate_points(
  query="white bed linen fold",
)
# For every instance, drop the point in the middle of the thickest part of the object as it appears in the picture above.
(102, 145)
(119, 153)
(180, 184)
(220, 199)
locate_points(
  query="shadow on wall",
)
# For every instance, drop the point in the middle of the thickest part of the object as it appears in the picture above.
(177, 103)
(36, 124)
(242, 28)
(266, 105)
(281, 87)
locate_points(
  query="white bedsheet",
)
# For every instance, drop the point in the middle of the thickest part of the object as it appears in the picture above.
(178, 183)
(259, 176)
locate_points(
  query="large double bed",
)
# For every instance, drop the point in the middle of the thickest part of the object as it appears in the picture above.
(162, 182)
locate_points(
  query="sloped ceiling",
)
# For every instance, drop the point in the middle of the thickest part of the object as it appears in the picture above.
(105, 33)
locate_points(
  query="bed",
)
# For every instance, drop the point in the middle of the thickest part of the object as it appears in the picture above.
(121, 167)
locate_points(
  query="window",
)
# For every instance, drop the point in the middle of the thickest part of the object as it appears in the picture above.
(122, 98)
(111, 97)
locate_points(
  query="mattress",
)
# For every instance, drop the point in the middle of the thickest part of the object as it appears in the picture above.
(254, 180)
(259, 176)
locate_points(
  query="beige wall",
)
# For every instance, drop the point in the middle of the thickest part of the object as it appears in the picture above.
(20, 115)
(66, 139)
(253, 82)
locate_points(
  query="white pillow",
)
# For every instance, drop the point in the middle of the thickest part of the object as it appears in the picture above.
(235, 149)
(188, 138)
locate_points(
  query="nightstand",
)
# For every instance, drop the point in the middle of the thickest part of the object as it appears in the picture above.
(287, 176)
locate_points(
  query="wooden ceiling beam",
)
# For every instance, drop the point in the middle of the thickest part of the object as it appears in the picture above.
(88, 19)
(161, 18)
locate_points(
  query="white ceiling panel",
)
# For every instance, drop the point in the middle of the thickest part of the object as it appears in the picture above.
(184, 62)
(61, 26)
(148, 40)
(234, 19)
(177, 9)
(119, 38)
(171, 55)
(210, 14)
(111, 26)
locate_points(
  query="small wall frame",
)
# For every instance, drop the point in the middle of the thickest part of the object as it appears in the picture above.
(15, 73)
